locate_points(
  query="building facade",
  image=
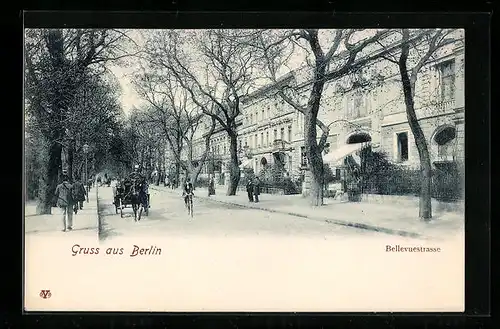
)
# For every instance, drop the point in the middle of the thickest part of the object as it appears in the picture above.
(357, 110)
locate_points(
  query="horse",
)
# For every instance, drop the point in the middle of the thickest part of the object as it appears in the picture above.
(140, 199)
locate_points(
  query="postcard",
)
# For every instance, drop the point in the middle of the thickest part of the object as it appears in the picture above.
(248, 170)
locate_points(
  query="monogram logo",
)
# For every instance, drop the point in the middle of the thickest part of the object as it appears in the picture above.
(45, 294)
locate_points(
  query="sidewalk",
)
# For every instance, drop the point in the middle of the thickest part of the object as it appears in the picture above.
(386, 217)
(84, 222)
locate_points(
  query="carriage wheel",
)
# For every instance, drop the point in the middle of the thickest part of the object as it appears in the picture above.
(121, 208)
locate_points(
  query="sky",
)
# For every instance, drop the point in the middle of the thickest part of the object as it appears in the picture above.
(130, 98)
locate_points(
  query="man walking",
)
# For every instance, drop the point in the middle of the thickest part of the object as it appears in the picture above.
(65, 202)
(256, 189)
(249, 189)
(90, 181)
(79, 194)
(211, 186)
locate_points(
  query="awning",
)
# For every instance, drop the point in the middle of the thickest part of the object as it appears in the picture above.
(338, 155)
(246, 164)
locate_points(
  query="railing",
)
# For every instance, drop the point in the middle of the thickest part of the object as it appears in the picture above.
(279, 145)
(445, 105)
(245, 151)
(437, 108)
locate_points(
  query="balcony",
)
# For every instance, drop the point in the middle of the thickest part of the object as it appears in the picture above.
(245, 151)
(436, 108)
(445, 106)
(280, 145)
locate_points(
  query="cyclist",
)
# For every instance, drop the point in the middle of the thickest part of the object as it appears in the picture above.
(188, 190)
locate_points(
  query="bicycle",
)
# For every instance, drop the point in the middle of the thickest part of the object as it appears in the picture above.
(189, 204)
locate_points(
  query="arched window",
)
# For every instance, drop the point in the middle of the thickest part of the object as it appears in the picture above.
(443, 139)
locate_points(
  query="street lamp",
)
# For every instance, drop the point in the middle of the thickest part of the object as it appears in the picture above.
(85, 151)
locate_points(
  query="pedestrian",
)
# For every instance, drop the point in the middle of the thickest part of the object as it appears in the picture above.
(146, 193)
(90, 182)
(249, 189)
(211, 186)
(256, 189)
(65, 202)
(78, 193)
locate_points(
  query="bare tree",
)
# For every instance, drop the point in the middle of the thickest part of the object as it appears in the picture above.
(178, 118)
(339, 58)
(57, 63)
(217, 71)
(431, 42)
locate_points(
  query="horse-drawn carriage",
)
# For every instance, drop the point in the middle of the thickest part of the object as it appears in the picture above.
(131, 193)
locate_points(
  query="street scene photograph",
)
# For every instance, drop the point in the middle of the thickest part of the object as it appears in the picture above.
(244, 170)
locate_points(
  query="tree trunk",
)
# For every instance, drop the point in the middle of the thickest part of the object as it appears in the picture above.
(49, 179)
(316, 168)
(201, 163)
(71, 157)
(425, 205)
(234, 169)
(177, 173)
(313, 152)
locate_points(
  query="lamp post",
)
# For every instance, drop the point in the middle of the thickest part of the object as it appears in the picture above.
(85, 151)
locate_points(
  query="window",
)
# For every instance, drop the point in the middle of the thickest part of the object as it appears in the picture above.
(444, 140)
(263, 115)
(447, 80)
(289, 133)
(303, 156)
(224, 149)
(275, 134)
(355, 108)
(255, 140)
(251, 118)
(256, 116)
(444, 150)
(239, 143)
(402, 146)
(360, 104)
(262, 139)
(282, 134)
(267, 138)
(333, 141)
(246, 141)
(268, 112)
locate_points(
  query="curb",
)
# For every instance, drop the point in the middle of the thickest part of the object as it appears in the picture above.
(99, 218)
(331, 221)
